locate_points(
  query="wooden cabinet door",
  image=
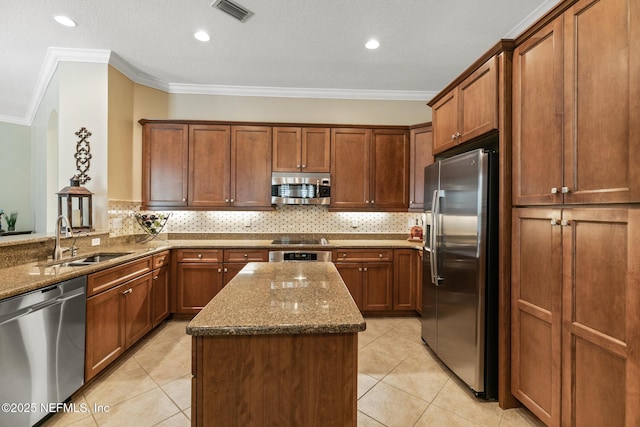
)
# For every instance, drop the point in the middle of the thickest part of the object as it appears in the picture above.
(287, 147)
(420, 141)
(105, 330)
(350, 152)
(445, 122)
(536, 309)
(160, 295)
(197, 284)
(209, 165)
(601, 324)
(405, 279)
(389, 174)
(478, 102)
(316, 150)
(351, 274)
(165, 162)
(137, 311)
(377, 286)
(251, 166)
(231, 270)
(537, 118)
(601, 112)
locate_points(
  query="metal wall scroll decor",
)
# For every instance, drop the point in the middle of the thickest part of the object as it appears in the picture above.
(83, 156)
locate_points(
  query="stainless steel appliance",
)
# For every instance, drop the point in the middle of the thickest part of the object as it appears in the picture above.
(42, 335)
(285, 256)
(300, 188)
(460, 277)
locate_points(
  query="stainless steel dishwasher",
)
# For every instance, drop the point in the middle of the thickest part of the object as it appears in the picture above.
(41, 351)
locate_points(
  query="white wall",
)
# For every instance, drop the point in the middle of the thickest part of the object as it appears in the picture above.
(84, 103)
(15, 174)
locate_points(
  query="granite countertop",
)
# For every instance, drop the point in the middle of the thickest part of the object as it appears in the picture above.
(35, 275)
(280, 298)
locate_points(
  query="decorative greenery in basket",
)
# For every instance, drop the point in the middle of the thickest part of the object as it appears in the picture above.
(152, 223)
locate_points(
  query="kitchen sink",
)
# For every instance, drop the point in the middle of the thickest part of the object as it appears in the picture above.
(90, 260)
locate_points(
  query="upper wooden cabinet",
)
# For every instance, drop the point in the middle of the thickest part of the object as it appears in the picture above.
(205, 166)
(250, 166)
(165, 164)
(575, 123)
(419, 158)
(467, 111)
(537, 117)
(370, 169)
(301, 149)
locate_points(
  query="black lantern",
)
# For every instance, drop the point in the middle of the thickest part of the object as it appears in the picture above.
(74, 202)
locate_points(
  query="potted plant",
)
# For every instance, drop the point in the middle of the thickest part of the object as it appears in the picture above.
(11, 220)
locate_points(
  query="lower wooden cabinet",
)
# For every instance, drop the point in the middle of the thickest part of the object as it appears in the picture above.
(202, 273)
(575, 324)
(160, 295)
(405, 279)
(197, 284)
(116, 317)
(370, 280)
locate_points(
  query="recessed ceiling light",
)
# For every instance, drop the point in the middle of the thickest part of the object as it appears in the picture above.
(64, 20)
(202, 36)
(372, 44)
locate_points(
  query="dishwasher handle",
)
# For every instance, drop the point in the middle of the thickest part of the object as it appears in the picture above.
(40, 306)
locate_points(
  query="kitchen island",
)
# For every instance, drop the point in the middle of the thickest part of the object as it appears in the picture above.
(277, 346)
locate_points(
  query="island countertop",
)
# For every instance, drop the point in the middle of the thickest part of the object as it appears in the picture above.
(281, 298)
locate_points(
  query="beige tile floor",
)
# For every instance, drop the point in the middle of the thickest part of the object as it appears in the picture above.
(399, 384)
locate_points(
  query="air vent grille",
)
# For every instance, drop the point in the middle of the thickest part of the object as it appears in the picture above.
(234, 9)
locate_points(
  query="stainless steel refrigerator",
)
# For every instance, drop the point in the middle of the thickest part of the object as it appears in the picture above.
(460, 270)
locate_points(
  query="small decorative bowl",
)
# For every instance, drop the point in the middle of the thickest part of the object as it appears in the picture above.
(152, 223)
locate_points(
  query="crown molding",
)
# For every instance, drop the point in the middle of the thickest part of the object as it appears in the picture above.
(55, 55)
(530, 19)
(283, 92)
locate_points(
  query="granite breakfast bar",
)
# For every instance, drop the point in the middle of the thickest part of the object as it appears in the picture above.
(277, 346)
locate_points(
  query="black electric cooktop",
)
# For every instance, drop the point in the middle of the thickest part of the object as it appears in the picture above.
(296, 241)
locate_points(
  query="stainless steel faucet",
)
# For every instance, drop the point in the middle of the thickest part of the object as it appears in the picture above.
(57, 249)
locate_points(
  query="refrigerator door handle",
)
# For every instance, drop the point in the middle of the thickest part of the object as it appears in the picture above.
(435, 203)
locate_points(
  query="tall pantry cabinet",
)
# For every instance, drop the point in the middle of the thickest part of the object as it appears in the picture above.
(576, 217)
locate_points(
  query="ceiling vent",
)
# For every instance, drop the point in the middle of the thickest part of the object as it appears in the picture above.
(234, 9)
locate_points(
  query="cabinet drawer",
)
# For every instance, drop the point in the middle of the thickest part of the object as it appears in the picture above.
(199, 255)
(161, 259)
(362, 255)
(106, 279)
(243, 255)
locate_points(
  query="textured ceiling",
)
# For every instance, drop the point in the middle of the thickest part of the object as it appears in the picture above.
(305, 46)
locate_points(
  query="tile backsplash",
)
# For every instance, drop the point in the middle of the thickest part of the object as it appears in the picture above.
(285, 220)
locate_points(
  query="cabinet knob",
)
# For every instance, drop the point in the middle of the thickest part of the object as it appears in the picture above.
(304, 166)
(554, 222)
(458, 134)
(565, 190)
(155, 277)
(199, 256)
(184, 200)
(298, 166)
(453, 136)
(226, 200)
(359, 268)
(365, 269)
(380, 255)
(554, 190)
(246, 255)
(226, 270)
(372, 202)
(410, 202)
(128, 291)
(219, 270)
(231, 200)
(565, 222)
(366, 201)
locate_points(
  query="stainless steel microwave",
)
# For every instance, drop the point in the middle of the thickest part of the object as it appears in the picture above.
(300, 188)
